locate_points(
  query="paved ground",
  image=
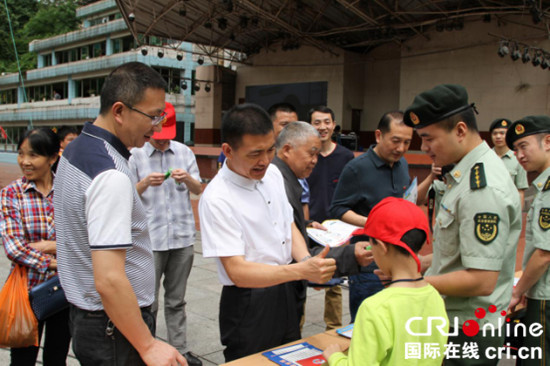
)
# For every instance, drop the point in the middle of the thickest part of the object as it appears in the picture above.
(202, 297)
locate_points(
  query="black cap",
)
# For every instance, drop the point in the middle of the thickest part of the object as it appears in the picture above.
(500, 123)
(436, 104)
(526, 126)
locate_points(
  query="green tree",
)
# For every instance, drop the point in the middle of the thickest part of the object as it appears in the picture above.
(52, 18)
(33, 19)
(20, 11)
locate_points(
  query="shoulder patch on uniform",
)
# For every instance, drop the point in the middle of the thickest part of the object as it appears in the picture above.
(486, 227)
(546, 185)
(477, 177)
(544, 218)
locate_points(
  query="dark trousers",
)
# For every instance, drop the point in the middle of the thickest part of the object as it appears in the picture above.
(300, 288)
(538, 311)
(56, 343)
(361, 286)
(482, 344)
(253, 320)
(97, 342)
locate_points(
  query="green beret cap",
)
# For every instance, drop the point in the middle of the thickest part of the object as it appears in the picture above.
(436, 104)
(526, 126)
(500, 123)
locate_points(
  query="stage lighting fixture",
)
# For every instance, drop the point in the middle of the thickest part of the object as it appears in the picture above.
(537, 60)
(526, 57)
(515, 55)
(503, 50)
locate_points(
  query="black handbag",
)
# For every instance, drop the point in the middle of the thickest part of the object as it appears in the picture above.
(48, 298)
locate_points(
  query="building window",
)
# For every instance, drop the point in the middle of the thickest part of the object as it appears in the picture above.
(73, 54)
(117, 45)
(8, 96)
(128, 43)
(172, 78)
(47, 60)
(88, 87)
(84, 53)
(99, 49)
(40, 93)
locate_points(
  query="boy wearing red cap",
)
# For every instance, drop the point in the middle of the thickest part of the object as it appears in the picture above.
(406, 322)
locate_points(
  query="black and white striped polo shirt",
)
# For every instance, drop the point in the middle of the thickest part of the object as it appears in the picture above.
(96, 207)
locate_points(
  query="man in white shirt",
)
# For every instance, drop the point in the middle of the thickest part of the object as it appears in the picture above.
(166, 173)
(247, 225)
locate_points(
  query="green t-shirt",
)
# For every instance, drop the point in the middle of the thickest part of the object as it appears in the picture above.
(380, 336)
(537, 233)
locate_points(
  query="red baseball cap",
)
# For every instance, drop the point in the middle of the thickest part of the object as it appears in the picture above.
(391, 218)
(168, 125)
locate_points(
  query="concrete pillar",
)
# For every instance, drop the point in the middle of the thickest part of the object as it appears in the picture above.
(208, 110)
(20, 96)
(108, 46)
(71, 93)
(40, 61)
(54, 59)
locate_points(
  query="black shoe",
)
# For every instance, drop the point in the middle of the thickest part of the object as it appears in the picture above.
(192, 360)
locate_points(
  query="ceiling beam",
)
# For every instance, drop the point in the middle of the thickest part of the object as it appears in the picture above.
(167, 8)
(385, 7)
(319, 14)
(351, 7)
(265, 14)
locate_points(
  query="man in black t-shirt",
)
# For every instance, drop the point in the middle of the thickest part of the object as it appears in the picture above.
(322, 182)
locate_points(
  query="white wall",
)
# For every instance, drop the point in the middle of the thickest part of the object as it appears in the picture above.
(500, 87)
(307, 64)
(391, 75)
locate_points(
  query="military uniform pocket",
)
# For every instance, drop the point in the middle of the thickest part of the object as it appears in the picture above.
(446, 235)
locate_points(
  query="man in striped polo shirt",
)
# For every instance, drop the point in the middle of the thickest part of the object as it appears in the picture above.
(104, 252)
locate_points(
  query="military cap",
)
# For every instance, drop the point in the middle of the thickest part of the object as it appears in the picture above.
(436, 104)
(500, 123)
(526, 126)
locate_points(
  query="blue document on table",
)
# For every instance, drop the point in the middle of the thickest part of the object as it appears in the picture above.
(346, 331)
(301, 354)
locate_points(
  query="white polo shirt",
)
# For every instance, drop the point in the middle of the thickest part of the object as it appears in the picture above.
(246, 217)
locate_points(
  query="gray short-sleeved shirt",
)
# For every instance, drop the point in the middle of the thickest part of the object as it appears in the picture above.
(537, 233)
(478, 228)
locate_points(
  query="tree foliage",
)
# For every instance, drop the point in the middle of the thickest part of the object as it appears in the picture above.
(32, 19)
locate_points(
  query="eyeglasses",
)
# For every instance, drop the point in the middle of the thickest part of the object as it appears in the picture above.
(155, 120)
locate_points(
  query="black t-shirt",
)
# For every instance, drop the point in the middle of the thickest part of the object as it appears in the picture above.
(323, 180)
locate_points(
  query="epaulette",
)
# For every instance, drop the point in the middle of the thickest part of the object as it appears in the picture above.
(477, 177)
(546, 185)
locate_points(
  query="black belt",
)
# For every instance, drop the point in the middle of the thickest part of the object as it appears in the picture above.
(146, 309)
